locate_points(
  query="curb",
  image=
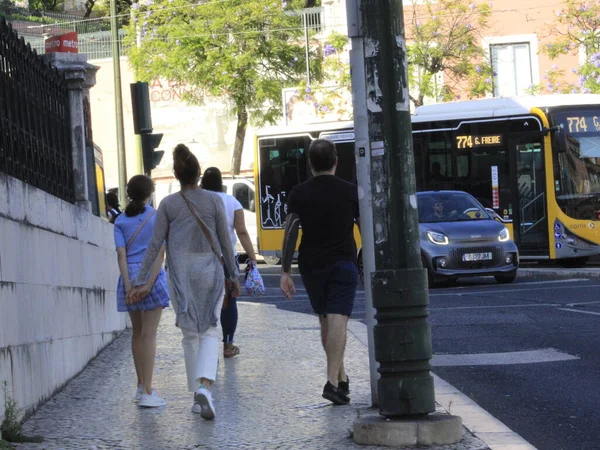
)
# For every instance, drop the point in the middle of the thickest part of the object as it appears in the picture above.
(558, 273)
(495, 434)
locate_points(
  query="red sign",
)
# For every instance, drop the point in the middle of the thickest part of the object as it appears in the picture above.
(65, 43)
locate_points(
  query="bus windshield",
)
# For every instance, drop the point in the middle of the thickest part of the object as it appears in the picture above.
(578, 167)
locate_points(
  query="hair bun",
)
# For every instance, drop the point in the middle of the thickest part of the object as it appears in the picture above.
(181, 153)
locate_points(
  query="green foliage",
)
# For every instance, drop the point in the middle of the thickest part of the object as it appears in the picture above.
(11, 427)
(444, 39)
(242, 49)
(246, 50)
(576, 29)
(47, 5)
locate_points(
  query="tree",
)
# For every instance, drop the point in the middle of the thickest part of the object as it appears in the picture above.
(576, 30)
(444, 39)
(245, 50)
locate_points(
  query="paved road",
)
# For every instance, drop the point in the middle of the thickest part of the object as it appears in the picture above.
(527, 352)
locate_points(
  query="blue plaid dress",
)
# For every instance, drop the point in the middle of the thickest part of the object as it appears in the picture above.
(125, 227)
(157, 298)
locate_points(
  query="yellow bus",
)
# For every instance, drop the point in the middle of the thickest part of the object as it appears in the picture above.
(534, 160)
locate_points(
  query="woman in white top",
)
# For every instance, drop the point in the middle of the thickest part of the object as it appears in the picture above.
(213, 181)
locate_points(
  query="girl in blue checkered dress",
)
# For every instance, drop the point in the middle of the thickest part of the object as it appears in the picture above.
(133, 231)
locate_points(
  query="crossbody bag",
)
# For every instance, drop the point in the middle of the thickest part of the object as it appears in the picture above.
(228, 283)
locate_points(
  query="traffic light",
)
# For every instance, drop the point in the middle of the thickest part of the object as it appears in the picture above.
(151, 156)
(140, 102)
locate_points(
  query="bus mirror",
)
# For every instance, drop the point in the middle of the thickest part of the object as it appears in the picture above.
(559, 137)
(252, 207)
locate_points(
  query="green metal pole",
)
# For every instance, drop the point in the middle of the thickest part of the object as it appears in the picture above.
(122, 161)
(402, 334)
(138, 139)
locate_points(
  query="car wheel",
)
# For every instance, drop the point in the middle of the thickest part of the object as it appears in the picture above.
(273, 260)
(574, 263)
(508, 278)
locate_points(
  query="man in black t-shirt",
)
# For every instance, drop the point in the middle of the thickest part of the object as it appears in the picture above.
(327, 208)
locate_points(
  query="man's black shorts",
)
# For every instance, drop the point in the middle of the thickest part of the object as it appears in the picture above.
(332, 289)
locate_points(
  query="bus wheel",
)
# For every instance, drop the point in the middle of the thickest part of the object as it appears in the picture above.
(508, 278)
(272, 260)
(573, 263)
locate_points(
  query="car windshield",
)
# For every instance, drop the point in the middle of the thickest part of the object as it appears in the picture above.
(449, 207)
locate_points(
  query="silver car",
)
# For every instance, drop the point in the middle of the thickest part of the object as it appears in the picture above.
(460, 238)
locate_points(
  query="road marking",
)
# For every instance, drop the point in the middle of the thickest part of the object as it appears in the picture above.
(580, 312)
(528, 305)
(571, 305)
(502, 359)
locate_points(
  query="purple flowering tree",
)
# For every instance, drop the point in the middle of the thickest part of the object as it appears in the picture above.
(245, 51)
(445, 57)
(575, 31)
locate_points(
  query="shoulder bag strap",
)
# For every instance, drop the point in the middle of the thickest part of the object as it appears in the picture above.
(204, 228)
(132, 238)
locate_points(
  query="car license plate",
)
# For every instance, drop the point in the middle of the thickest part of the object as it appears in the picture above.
(477, 256)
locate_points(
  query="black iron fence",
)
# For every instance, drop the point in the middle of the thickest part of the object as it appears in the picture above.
(35, 139)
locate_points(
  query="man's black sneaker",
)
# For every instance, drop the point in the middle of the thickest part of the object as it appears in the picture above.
(335, 395)
(344, 386)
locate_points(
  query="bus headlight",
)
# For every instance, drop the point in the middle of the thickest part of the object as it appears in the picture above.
(437, 238)
(504, 235)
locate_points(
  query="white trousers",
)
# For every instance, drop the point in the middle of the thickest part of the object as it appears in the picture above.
(201, 352)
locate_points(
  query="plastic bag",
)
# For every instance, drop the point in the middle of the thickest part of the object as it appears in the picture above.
(254, 282)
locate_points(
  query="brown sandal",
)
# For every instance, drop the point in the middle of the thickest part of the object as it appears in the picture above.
(231, 352)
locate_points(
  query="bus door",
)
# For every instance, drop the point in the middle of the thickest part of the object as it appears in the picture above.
(528, 177)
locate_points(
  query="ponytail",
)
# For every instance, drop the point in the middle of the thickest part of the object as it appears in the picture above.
(135, 207)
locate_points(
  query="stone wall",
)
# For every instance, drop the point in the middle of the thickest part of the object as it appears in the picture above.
(58, 276)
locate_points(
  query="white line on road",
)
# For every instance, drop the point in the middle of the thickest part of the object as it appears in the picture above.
(528, 305)
(579, 311)
(502, 359)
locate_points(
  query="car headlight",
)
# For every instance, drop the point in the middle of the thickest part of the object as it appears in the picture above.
(437, 238)
(504, 235)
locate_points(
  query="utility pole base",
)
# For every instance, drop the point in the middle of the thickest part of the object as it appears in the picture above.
(433, 429)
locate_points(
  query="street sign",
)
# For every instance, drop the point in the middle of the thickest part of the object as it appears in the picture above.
(64, 43)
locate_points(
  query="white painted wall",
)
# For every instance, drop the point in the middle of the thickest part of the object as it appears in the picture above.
(58, 277)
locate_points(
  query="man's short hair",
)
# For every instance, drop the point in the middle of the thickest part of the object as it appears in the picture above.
(322, 155)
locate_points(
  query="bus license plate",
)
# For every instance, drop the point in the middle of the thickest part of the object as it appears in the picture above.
(477, 256)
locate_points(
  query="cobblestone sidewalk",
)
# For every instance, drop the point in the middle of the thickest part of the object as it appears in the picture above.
(269, 397)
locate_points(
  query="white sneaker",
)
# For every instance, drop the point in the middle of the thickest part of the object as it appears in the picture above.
(203, 404)
(139, 393)
(151, 401)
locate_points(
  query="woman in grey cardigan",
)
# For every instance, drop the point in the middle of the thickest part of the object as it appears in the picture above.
(194, 224)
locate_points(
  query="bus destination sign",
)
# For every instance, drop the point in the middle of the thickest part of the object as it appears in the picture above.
(583, 124)
(471, 141)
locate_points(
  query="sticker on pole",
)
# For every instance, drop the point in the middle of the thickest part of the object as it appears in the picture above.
(495, 192)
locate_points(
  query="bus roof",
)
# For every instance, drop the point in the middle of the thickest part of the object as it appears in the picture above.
(321, 126)
(467, 109)
(499, 107)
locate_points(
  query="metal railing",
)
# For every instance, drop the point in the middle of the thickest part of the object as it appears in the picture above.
(35, 139)
(94, 34)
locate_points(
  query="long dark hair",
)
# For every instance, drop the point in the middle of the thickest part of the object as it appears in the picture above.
(139, 189)
(185, 165)
(212, 180)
